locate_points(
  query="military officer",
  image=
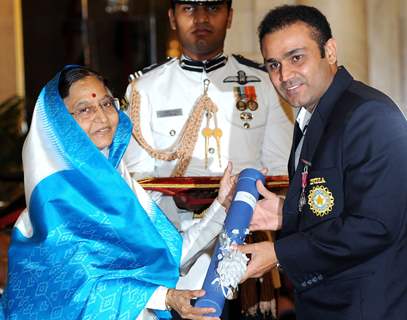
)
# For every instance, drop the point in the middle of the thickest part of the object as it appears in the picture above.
(195, 113)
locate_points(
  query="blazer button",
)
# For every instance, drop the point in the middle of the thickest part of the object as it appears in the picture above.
(320, 277)
(304, 284)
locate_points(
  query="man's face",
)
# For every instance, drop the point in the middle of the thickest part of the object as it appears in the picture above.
(201, 29)
(296, 69)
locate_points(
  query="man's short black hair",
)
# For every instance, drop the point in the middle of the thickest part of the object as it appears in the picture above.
(287, 15)
(173, 2)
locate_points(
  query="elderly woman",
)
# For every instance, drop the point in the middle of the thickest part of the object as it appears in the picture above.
(92, 244)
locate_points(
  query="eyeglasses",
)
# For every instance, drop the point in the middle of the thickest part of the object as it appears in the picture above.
(108, 105)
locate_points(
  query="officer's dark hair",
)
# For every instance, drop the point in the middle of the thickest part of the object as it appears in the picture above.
(228, 2)
(287, 15)
(70, 74)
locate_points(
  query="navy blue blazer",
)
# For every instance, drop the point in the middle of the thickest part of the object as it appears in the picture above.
(346, 251)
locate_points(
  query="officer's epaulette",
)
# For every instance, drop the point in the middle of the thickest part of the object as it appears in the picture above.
(249, 63)
(145, 70)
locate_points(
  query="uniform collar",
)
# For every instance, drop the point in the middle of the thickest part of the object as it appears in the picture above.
(201, 66)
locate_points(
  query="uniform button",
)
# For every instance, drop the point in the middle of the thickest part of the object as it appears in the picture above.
(304, 284)
(246, 125)
(320, 277)
(309, 282)
(314, 279)
(246, 116)
(172, 133)
(211, 150)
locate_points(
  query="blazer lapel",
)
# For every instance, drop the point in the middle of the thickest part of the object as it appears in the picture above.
(316, 129)
(322, 113)
(311, 140)
(297, 135)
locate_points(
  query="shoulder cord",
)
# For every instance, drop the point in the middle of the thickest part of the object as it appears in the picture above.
(186, 143)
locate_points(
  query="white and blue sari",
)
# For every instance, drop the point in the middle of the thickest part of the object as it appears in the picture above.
(86, 248)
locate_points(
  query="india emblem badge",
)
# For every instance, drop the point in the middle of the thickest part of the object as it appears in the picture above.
(320, 201)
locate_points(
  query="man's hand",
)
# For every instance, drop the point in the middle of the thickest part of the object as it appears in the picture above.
(268, 213)
(263, 258)
(180, 301)
(227, 187)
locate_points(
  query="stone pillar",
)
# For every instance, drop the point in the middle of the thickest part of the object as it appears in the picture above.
(403, 42)
(19, 47)
(349, 27)
(7, 53)
(242, 37)
(11, 64)
(386, 47)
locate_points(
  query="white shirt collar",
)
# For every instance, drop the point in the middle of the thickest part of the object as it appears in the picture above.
(303, 118)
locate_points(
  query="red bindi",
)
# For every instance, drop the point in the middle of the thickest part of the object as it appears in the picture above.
(93, 95)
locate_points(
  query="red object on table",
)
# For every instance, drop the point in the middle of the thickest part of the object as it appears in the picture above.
(197, 193)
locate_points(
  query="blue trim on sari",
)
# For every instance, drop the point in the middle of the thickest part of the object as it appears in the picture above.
(95, 253)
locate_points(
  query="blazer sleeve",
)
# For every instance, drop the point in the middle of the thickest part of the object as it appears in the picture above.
(374, 167)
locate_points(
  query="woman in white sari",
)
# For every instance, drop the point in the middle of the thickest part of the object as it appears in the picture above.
(92, 244)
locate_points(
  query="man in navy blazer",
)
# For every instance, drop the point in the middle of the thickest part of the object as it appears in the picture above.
(343, 238)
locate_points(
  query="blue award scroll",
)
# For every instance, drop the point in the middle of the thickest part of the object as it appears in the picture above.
(235, 230)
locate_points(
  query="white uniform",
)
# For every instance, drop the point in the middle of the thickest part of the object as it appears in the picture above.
(168, 94)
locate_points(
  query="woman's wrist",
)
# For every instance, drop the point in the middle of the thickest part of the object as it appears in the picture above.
(168, 299)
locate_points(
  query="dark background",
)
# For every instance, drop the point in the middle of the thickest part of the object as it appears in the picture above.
(116, 44)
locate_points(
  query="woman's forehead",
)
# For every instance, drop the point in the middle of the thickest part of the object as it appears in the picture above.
(91, 86)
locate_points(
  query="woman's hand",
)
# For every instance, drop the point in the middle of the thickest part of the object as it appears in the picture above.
(227, 187)
(180, 301)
